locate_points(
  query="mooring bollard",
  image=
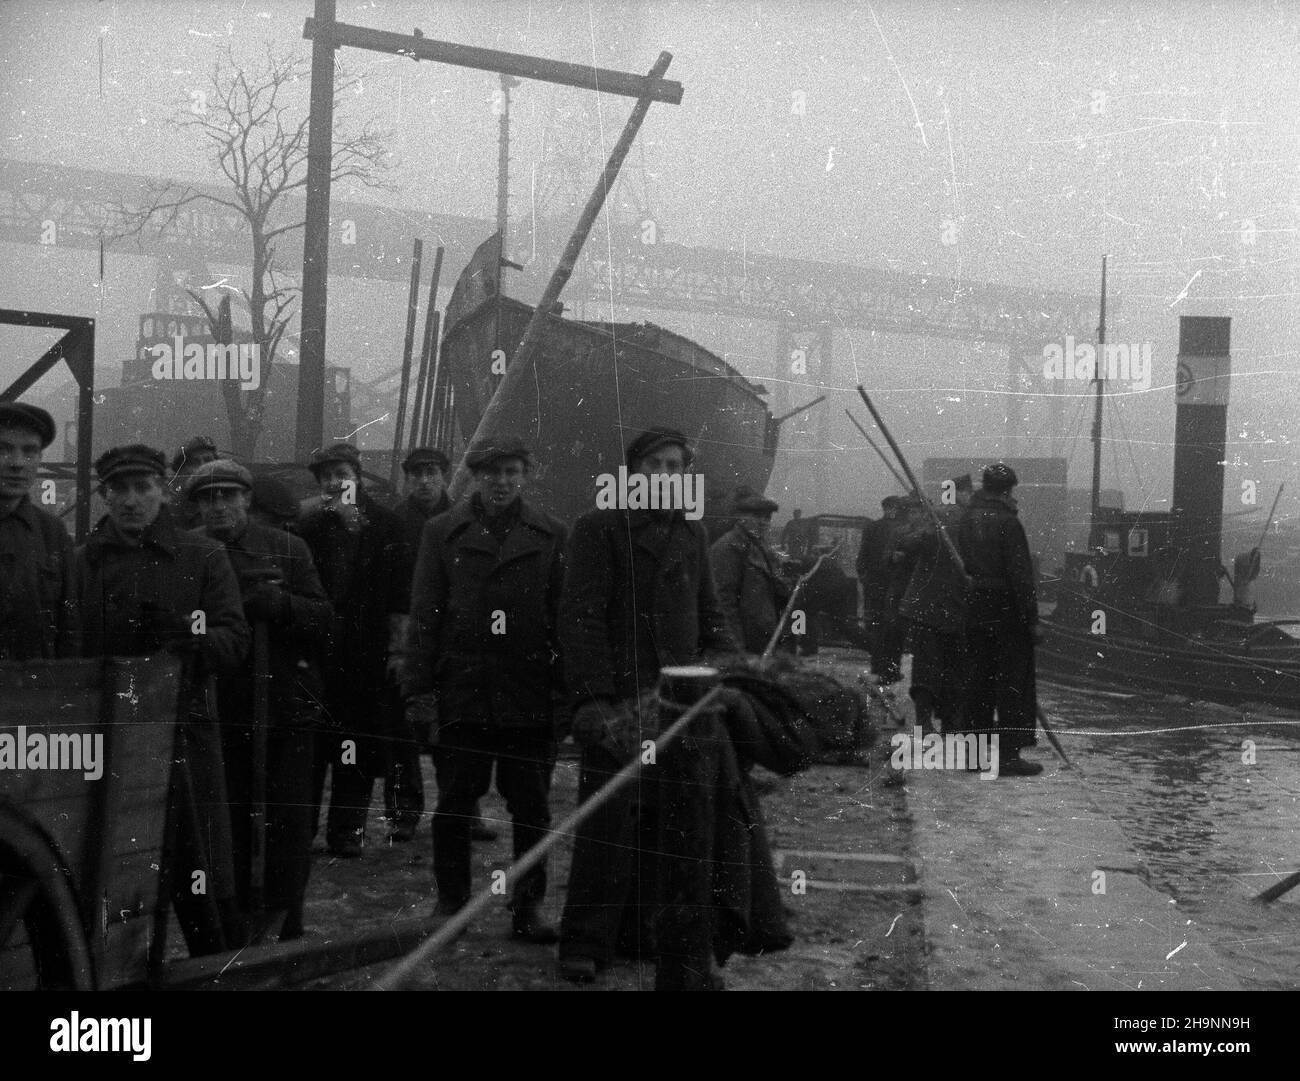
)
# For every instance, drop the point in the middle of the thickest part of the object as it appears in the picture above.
(687, 772)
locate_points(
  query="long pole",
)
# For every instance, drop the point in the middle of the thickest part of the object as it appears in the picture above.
(789, 605)
(316, 237)
(1096, 417)
(403, 971)
(519, 371)
(872, 443)
(412, 309)
(435, 353)
(423, 390)
(1271, 511)
(916, 488)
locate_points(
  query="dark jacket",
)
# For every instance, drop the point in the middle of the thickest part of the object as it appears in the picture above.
(414, 519)
(936, 596)
(296, 629)
(364, 589)
(884, 578)
(750, 589)
(484, 615)
(993, 544)
(136, 600)
(638, 595)
(38, 603)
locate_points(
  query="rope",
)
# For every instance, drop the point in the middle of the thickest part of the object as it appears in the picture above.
(405, 969)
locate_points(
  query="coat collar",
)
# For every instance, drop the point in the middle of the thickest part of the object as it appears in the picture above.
(24, 513)
(994, 499)
(162, 535)
(462, 522)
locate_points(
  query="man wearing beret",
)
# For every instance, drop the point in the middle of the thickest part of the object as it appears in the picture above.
(360, 553)
(290, 615)
(484, 610)
(425, 471)
(38, 604)
(143, 585)
(1002, 621)
(747, 574)
(638, 595)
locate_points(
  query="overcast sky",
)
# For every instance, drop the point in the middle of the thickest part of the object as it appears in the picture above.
(1038, 136)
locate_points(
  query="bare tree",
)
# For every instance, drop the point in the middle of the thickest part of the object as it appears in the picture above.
(262, 152)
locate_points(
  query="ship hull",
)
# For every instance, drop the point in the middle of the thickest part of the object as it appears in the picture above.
(1266, 670)
(597, 386)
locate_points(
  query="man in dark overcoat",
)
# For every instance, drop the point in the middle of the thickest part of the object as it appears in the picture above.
(360, 554)
(1002, 622)
(286, 606)
(747, 574)
(38, 603)
(144, 586)
(934, 606)
(638, 595)
(483, 640)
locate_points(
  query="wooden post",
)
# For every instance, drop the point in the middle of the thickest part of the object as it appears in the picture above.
(316, 237)
(412, 309)
(423, 391)
(519, 370)
(435, 351)
(687, 773)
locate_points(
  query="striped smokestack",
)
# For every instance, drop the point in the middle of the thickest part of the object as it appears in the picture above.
(1200, 433)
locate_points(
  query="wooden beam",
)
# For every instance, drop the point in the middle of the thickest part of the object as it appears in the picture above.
(520, 65)
(316, 243)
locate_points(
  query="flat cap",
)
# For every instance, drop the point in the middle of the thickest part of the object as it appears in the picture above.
(1000, 477)
(31, 417)
(753, 503)
(222, 473)
(650, 441)
(272, 496)
(892, 501)
(133, 458)
(338, 452)
(494, 447)
(191, 449)
(426, 456)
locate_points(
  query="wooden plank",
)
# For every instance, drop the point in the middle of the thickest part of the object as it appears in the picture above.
(305, 959)
(583, 76)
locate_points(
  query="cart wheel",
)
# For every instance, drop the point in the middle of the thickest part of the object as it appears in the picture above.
(39, 920)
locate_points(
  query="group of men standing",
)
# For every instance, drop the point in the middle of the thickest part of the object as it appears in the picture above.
(965, 607)
(349, 635)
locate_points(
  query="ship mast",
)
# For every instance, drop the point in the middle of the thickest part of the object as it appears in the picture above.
(1096, 418)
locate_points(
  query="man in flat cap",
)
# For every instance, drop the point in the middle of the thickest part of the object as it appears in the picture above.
(425, 471)
(286, 606)
(143, 586)
(484, 610)
(879, 567)
(272, 502)
(638, 595)
(360, 553)
(193, 454)
(1002, 622)
(934, 606)
(747, 574)
(38, 604)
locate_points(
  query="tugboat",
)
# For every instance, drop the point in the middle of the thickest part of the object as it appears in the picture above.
(1140, 608)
